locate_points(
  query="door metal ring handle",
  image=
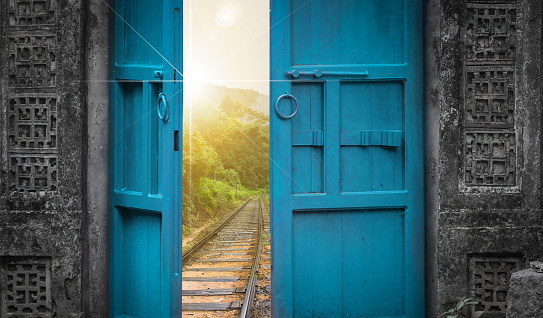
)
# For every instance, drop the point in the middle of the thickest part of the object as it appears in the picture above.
(287, 95)
(163, 112)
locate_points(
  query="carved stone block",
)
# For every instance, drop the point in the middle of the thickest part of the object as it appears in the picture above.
(26, 287)
(32, 97)
(33, 173)
(525, 295)
(490, 158)
(490, 96)
(32, 61)
(32, 12)
(489, 281)
(32, 122)
(491, 32)
(490, 147)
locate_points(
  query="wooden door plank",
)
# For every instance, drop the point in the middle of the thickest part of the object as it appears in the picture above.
(317, 123)
(128, 264)
(332, 137)
(302, 267)
(154, 291)
(356, 163)
(140, 265)
(385, 292)
(300, 41)
(357, 43)
(326, 259)
(386, 98)
(301, 170)
(325, 32)
(358, 248)
(387, 23)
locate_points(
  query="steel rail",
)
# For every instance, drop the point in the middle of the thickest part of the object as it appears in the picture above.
(250, 292)
(196, 247)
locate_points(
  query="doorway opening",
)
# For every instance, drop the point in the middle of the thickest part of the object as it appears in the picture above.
(225, 182)
(347, 164)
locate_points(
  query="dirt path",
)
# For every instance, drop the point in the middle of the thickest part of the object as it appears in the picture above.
(195, 233)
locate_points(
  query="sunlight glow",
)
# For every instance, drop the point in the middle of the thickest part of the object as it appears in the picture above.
(228, 12)
(192, 84)
(228, 45)
(226, 16)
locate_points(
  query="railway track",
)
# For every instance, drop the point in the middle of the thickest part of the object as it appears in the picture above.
(220, 271)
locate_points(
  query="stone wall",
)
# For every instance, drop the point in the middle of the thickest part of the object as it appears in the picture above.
(42, 157)
(483, 172)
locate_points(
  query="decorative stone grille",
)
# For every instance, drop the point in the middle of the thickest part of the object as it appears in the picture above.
(32, 173)
(32, 96)
(32, 61)
(491, 31)
(490, 96)
(491, 155)
(32, 122)
(489, 278)
(26, 291)
(32, 12)
(490, 147)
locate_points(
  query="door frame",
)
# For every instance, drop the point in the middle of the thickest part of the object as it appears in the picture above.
(95, 227)
(95, 230)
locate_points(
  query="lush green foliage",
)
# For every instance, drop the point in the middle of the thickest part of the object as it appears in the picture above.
(225, 158)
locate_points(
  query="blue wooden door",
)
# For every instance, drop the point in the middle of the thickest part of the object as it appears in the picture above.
(146, 97)
(347, 168)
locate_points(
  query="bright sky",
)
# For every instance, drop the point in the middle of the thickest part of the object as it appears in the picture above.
(226, 42)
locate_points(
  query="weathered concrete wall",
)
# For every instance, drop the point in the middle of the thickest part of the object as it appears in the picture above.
(96, 300)
(484, 214)
(43, 139)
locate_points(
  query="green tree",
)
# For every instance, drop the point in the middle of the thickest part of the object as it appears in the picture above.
(225, 155)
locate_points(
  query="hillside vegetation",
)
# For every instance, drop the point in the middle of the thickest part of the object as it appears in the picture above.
(225, 155)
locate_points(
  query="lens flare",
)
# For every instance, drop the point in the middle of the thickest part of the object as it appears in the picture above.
(228, 12)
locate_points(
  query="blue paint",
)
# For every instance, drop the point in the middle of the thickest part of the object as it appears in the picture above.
(347, 199)
(145, 187)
